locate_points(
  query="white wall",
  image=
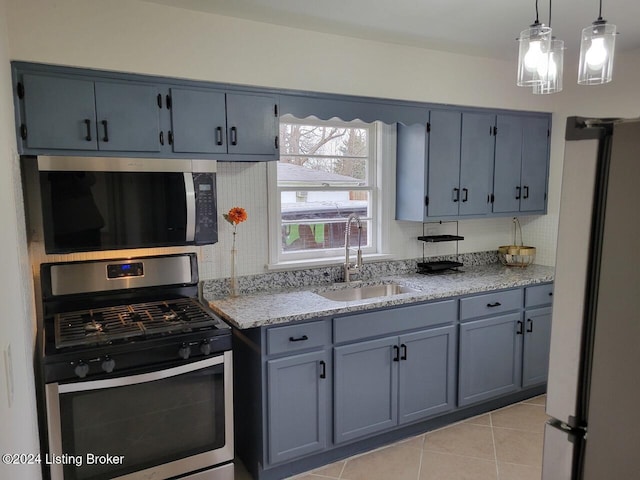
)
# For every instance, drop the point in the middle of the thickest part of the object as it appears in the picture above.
(18, 430)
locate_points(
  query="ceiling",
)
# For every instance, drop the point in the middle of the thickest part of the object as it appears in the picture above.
(486, 28)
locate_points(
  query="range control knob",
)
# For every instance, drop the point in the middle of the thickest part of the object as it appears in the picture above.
(185, 351)
(81, 369)
(108, 364)
(205, 348)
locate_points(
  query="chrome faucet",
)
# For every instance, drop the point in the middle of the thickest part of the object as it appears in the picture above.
(350, 268)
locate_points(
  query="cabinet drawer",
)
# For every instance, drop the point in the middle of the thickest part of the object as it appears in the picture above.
(539, 295)
(383, 322)
(490, 304)
(297, 337)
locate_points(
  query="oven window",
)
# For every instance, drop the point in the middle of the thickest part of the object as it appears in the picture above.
(147, 424)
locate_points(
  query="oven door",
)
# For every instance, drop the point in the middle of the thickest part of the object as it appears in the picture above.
(153, 425)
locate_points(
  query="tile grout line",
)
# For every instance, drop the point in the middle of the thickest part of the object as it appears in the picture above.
(424, 439)
(495, 450)
(344, 465)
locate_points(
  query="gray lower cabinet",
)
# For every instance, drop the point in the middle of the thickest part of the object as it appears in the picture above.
(535, 354)
(505, 349)
(490, 358)
(394, 380)
(365, 388)
(298, 390)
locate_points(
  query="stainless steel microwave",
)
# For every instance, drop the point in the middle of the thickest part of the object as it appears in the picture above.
(107, 203)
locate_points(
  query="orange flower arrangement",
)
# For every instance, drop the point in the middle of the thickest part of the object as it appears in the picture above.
(235, 216)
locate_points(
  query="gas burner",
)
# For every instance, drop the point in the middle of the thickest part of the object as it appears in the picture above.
(128, 322)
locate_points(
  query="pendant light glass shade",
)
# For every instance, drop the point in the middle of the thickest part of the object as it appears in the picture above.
(535, 43)
(551, 70)
(596, 53)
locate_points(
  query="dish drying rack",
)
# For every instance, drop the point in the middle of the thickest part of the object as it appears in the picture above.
(439, 266)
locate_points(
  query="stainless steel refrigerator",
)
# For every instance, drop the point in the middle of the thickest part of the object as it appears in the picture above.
(593, 392)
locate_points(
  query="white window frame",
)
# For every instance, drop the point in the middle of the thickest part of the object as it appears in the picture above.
(279, 259)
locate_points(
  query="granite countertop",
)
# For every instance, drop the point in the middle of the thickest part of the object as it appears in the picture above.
(284, 306)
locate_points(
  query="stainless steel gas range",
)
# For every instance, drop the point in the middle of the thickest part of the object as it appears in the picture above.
(137, 372)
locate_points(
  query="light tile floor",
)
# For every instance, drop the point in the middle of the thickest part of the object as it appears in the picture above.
(505, 444)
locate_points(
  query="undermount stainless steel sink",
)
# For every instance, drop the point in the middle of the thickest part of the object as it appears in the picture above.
(362, 292)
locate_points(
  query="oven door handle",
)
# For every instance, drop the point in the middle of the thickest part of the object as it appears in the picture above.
(142, 378)
(190, 197)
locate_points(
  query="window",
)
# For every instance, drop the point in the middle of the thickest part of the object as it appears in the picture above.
(326, 172)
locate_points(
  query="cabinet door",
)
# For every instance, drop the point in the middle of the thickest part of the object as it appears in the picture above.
(535, 353)
(476, 163)
(444, 164)
(59, 113)
(535, 152)
(508, 159)
(365, 388)
(490, 358)
(132, 117)
(252, 124)
(198, 121)
(427, 373)
(411, 172)
(297, 403)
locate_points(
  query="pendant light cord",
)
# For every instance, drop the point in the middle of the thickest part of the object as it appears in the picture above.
(600, 11)
(537, 22)
(550, 13)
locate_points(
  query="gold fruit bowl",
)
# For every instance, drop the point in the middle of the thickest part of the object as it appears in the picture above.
(516, 255)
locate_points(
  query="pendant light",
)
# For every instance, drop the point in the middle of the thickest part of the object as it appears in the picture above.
(535, 43)
(597, 48)
(551, 67)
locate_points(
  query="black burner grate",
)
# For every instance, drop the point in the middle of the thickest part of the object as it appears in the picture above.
(126, 322)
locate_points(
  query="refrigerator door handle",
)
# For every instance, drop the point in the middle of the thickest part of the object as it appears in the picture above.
(560, 451)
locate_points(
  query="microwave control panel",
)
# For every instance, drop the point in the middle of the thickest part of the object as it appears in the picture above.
(206, 210)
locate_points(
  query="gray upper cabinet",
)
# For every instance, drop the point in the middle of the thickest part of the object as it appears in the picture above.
(69, 111)
(252, 122)
(71, 114)
(297, 405)
(214, 122)
(128, 118)
(535, 155)
(59, 113)
(411, 172)
(443, 160)
(476, 163)
(471, 164)
(198, 121)
(521, 164)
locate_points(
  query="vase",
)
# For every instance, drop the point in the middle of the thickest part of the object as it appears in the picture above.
(234, 290)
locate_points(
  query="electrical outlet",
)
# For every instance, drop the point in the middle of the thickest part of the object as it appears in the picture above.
(8, 371)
